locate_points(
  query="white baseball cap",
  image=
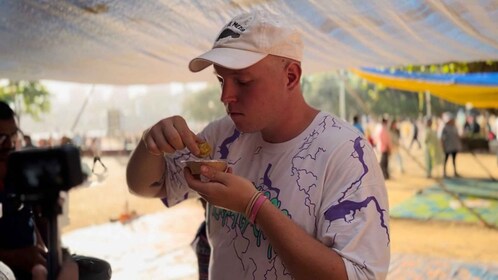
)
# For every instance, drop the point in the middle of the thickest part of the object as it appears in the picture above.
(447, 116)
(247, 39)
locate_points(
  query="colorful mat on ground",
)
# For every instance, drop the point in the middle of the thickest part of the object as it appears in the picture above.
(411, 267)
(433, 203)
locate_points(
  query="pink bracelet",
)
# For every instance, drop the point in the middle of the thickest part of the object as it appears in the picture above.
(250, 204)
(255, 209)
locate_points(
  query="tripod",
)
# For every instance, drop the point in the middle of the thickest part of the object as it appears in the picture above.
(50, 209)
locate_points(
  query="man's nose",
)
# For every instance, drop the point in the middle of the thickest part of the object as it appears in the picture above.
(228, 93)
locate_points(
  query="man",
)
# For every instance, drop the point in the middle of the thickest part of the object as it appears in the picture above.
(303, 198)
(384, 144)
(432, 149)
(22, 247)
(96, 149)
(450, 141)
(414, 134)
(357, 124)
(28, 142)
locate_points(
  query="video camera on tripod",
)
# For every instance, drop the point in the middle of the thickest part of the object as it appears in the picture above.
(36, 177)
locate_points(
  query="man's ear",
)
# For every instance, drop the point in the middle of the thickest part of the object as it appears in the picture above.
(293, 75)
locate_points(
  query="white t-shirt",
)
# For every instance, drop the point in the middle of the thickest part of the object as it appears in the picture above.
(5, 272)
(327, 180)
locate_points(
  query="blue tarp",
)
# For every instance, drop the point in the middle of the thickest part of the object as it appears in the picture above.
(482, 79)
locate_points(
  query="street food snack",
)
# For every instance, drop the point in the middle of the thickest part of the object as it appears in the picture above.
(205, 149)
(195, 165)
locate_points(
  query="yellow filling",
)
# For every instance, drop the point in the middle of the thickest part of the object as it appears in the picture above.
(205, 150)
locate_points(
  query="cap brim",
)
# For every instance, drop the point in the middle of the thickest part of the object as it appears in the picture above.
(227, 58)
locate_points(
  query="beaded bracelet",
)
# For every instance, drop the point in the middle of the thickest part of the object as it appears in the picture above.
(255, 209)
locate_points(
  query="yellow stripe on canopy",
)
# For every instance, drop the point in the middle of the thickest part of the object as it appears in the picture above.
(479, 96)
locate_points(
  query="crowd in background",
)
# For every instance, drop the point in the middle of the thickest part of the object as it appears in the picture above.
(440, 137)
(89, 145)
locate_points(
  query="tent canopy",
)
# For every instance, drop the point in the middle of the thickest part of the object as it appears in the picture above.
(147, 42)
(480, 89)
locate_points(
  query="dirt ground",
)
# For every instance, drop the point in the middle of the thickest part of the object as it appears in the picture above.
(105, 197)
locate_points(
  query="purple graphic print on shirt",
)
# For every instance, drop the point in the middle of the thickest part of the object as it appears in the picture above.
(224, 145)
(347, 208)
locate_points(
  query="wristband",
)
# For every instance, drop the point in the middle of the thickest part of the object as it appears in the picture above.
(250, 204)
(255, 209)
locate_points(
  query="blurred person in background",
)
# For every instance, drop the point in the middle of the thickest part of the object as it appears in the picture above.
(471, 128)
(384, 145)
(433, 149)
(357, 124)
(450, 140)
(28, 143)
(415, 134)
(395, 135)
(96, 149)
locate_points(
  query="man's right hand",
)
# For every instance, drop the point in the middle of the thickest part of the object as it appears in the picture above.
(69, 271)
(169, 135)
(146, 165)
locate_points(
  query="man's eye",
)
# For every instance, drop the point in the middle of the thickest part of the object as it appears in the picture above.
(243, 82)
(220, 80)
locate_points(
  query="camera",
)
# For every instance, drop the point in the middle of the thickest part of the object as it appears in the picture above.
(36, 174)
(35, 177)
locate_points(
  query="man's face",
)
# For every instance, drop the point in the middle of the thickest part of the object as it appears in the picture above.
(255, 97)
(8, 138)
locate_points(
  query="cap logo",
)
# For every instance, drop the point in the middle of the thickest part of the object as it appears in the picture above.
(229, 32)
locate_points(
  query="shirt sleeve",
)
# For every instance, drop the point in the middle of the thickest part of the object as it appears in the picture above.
(354, 218)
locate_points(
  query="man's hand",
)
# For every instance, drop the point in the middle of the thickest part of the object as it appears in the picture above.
(169, 135)
(25, 258)
(146, 165)
(224, 190)
(68, 271)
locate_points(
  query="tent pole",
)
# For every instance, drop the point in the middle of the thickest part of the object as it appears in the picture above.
(82, 108)
(342, 94)
(428, 112)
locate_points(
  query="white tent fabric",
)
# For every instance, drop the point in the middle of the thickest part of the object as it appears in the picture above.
(147, 42)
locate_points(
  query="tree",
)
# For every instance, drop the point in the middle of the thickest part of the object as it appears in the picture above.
(204, 105)
(453, 67)
(362, 97)
(26, 97)
(322, 91)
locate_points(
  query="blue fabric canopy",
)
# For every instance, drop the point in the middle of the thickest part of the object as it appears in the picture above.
(482, 79)
(478, 89)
